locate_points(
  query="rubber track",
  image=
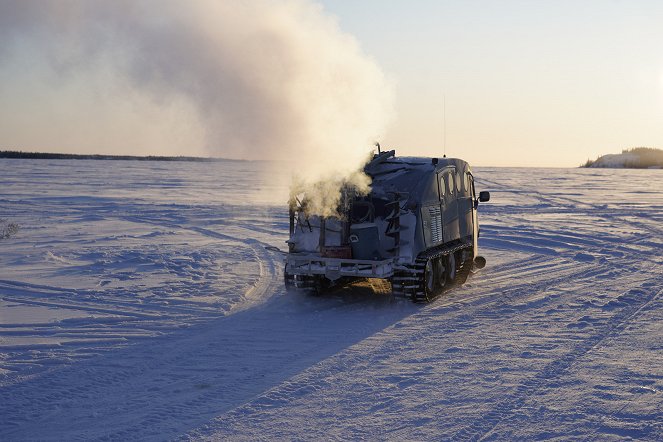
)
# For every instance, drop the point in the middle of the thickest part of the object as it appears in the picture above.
(410, 283)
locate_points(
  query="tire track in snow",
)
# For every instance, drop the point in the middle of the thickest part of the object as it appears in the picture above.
(599, 210)
(202, 379)
(93, 379)
(316, 378)
(166, 386)
(547, 279)
(559, 367)
(538, 274)
(268, 268)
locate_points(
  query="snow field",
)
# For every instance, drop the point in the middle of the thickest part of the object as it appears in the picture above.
(145, 301)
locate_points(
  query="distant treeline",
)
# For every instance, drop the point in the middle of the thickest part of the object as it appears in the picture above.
(646, 157)
(72, 156)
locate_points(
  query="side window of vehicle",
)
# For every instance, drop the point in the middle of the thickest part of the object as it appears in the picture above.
(443, 185)
(450, 183)
(467, 184)
(459, 182)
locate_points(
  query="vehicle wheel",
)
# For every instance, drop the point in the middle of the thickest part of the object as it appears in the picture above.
(320, 285)
(451, 267)
(430, 280)
(288, 279)
(440, 272)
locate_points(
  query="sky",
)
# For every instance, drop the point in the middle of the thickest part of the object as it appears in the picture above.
(509, 83)
(524, 83)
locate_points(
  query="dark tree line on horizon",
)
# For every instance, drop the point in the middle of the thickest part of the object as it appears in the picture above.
(73, 156)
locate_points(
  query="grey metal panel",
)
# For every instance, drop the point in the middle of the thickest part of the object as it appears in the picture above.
(435, 224)
(365, 241)
(416, 181)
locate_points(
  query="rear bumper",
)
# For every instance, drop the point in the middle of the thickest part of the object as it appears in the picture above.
(334, 268)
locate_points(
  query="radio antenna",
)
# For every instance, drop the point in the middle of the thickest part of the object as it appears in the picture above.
(444, 125)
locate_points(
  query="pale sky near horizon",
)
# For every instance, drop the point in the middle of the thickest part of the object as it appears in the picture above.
(525, 83)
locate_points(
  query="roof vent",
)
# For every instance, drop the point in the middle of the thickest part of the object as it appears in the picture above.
(434, 160)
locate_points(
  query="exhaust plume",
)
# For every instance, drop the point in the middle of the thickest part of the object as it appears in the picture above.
(322, 196)
(262, 79)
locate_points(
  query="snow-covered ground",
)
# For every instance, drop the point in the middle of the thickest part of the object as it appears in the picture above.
(144, 300)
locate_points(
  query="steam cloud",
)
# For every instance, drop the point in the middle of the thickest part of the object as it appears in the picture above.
(322, 196)
(267, 79)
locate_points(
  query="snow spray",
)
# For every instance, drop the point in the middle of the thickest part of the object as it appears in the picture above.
(263, 79)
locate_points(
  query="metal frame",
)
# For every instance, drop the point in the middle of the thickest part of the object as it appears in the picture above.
(334, 268)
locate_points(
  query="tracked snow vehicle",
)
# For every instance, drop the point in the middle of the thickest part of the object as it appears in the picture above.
(417, 228)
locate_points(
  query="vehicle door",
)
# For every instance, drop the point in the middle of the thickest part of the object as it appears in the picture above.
(475, 220)
(449, 205)
(465, 204)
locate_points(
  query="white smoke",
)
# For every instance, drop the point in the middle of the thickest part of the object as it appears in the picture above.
(322, 196)
(267, 79)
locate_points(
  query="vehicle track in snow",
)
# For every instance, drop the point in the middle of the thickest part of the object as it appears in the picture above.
(190, 375)
(250, 420)
(636, 300)
(567, 279)
(383, 387)
(462, 306)
(119, 311)
(599, 209)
